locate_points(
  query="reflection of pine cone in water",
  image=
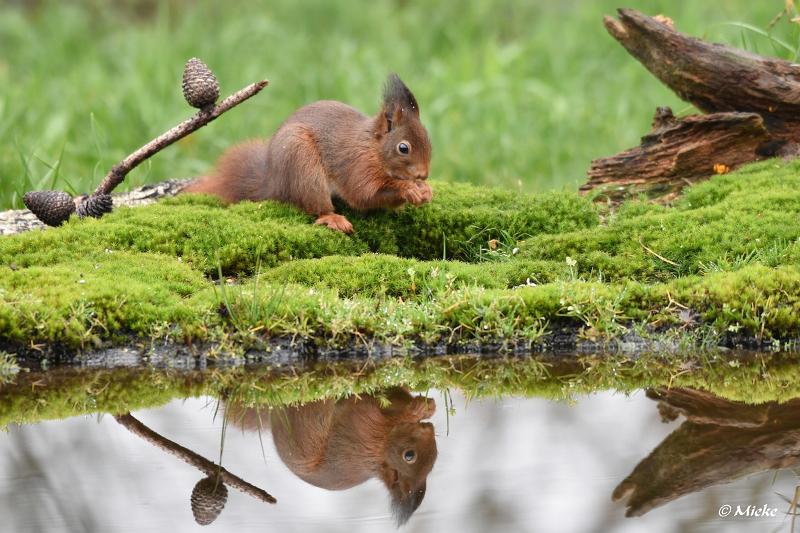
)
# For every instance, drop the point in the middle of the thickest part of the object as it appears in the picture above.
(51, 207)
(208, 499)
(95, 206)
(200, 86)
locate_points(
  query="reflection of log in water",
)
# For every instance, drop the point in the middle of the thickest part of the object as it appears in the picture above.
(209, 495)
(719, 442)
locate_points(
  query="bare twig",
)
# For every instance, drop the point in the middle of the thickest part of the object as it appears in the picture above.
(117, 174)
(198, 461)
(673, 263)
(200, 89)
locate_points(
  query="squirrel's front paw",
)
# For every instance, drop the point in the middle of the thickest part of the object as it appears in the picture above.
(418, 193)
(426, 191)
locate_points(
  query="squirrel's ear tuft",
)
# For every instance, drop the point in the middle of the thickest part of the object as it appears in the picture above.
(421, 408)
(397, 96)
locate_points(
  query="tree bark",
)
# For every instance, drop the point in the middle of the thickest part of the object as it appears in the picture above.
(714, 77)
(753, 106)
(678, 152)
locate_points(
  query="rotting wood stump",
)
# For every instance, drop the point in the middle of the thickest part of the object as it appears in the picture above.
(752, 106)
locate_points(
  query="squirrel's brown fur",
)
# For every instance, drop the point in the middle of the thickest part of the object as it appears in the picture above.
(328, 149)
(337, 445)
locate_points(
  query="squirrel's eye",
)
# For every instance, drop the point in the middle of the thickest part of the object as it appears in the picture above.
(403, 148)
(409, 456)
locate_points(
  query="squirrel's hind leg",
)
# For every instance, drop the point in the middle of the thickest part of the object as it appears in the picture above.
(334, 221)
(305, 181)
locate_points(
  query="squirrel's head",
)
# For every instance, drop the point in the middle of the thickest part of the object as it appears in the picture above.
(408, 459)
(405, 147)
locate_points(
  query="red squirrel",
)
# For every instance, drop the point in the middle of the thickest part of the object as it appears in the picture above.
(337, 445)
(328, 149)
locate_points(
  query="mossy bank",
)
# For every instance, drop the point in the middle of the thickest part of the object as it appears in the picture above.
(477, 265)
(475, 268)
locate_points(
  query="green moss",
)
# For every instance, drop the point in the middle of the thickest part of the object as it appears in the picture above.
(79, 303)
(460, 214)
(385, 275)
(208, 236)
(725, 259)
(64, 392)
(720, 225)
(199, 231)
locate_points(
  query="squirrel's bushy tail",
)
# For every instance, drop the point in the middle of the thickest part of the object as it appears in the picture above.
(238, 175)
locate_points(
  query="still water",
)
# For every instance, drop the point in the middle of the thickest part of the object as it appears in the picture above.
(508, 464)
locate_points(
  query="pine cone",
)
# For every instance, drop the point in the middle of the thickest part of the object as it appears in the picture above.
(95, 206)
(200, 86)
(51, 207)
(208, 499)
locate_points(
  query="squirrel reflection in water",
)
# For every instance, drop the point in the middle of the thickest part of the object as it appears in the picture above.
(337, 445)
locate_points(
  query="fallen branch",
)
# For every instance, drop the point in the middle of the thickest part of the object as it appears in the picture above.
(201, 90)
(753, 104)
(678, 151)
(117, 174)
(714, 77)
(210, 468)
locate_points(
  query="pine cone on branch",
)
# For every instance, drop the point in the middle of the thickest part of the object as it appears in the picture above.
(200, 86)
(208, 499)
(51, 207)
(95, 206)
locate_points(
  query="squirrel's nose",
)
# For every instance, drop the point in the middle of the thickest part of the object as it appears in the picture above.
(420, 173)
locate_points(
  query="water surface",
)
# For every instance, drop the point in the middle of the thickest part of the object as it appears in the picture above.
(508, 464)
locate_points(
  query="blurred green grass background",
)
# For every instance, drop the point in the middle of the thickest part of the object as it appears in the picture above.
(515, 93)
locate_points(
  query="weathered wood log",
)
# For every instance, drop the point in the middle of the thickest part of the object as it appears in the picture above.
(678, 151)
(719, 442)
(714, 77)
(19, 220)
(753, 101)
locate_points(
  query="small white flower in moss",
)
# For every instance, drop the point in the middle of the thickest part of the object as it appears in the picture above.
(515, 251)
(434, 272)
(734, 328)
(571, 262)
